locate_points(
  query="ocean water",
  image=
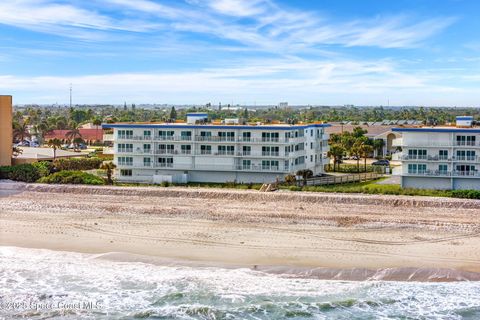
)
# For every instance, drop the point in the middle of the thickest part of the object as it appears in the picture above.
(43, 284)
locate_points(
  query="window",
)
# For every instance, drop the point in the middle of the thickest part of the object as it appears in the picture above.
(147, 162)
(414, 168)
(270, 136)
(311, 133)
(147, 148)
(126, 172)
(186, 135)
(443, 154)
(465, 170)
(269, 165)
(417, 154)
(465, 155)
(466, 140)
(166, 148)
(147, 134)
(125, 134)
(186, 149)
(227, 136)
(165, 162)
(205, 134)
(205, 149)
(166, 135)
(125, 147)
(246, 136)
(125, 161)
(270, 151)
(246, 164)
(247, 150)
(311, 145)
(228, 150)
(442, 169)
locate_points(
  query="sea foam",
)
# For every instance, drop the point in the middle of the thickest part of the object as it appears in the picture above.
(38, 283)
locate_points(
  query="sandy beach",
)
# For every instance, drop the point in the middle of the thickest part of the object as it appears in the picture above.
(245, 228)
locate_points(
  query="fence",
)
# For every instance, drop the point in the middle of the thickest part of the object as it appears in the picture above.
(360, 177)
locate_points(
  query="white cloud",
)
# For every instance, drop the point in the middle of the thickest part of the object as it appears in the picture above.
(300, 82)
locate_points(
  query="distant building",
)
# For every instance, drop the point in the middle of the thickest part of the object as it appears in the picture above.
(88, 135)
(215, 152)
(374, 132)
(6, 130)
(440, 157)
(283, 105)
(31, 155)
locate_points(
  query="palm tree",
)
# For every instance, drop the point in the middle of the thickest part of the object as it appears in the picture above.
(109, 167)
(365, 150)
(336, 152)
(97, 122)
(16, 151)
(378, 145)
(73, 134)
(356, 151)
(307, 173)
(20, 130)
(77, 142)
(55, 144)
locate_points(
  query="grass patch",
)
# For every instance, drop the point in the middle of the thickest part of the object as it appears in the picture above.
(371, 187)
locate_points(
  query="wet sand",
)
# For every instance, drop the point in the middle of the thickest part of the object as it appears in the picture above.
(247, 228)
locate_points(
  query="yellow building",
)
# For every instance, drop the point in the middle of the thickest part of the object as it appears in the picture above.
(5, 130)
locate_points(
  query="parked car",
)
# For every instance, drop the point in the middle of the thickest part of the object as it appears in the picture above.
(354, 158)
(382, 162)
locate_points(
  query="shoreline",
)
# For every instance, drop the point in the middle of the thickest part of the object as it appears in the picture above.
(366, 236)
(398, 274)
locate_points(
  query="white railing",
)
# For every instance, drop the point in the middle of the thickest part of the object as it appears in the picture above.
(441, 173)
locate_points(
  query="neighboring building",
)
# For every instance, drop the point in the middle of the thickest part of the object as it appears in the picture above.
(440, 157)
(31, 155)
(183, 152)
(374, 132)
(6, 130)
(90, 136)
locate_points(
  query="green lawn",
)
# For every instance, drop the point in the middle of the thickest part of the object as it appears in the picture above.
(371, 187)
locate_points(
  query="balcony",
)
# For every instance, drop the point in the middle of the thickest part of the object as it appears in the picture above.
(108, 137)
(467, 143)
(440, 173)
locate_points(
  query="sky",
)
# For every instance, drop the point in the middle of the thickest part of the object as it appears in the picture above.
(246, 52)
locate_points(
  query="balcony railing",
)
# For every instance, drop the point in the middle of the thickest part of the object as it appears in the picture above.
(442, 173)
(436, 158)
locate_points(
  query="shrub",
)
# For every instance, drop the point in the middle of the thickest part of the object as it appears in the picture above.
(467, 194)
(290, 179)
(77, 164)
(27, 172)
(165, 184)
(72, 177)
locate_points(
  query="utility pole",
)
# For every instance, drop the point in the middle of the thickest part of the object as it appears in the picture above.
(70, 96)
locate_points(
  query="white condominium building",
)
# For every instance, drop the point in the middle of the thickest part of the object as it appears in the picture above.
(440, 157)
(193, 152)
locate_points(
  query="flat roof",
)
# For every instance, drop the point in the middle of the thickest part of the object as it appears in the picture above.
(47, 153)
(214, 126)
(438, 129)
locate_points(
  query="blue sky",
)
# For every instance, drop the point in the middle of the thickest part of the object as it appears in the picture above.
(368, 52)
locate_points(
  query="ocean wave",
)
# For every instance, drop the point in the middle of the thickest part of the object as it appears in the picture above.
(70, 285)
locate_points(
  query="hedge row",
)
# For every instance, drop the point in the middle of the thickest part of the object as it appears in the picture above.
(77, 164)
(72, 177)
(28, 172)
